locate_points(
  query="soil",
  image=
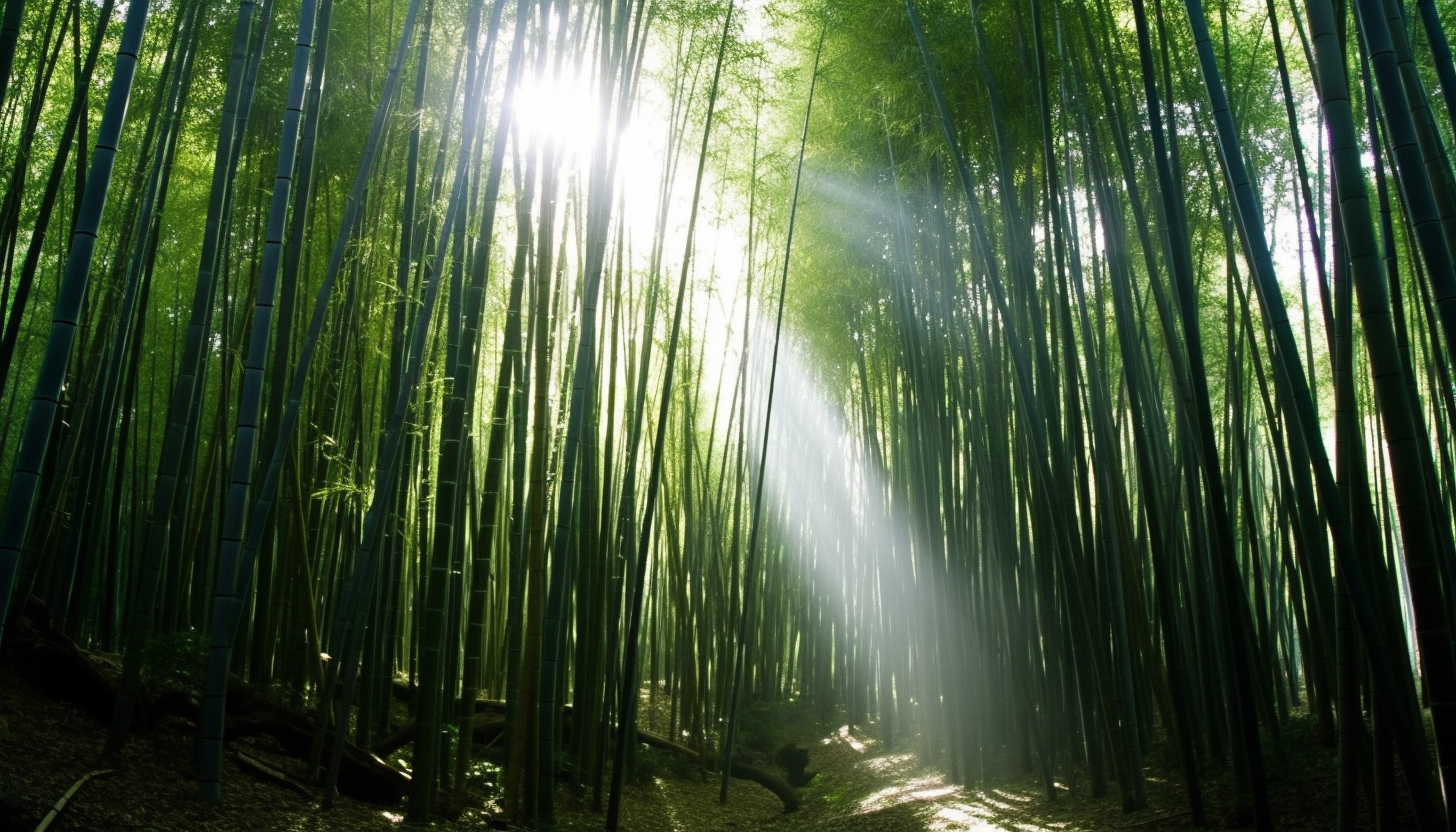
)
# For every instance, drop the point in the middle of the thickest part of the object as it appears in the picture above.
(46, 745)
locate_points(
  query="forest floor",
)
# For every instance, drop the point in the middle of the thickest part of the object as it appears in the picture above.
(46, 745)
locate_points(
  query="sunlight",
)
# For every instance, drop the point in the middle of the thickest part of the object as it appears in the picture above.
(960, 817)
(562, 110)
(952, 808)
(672, 815)
(843, 737)
(831, 494)
(918, 790)
(890, 763)
(961, 814)
(965, 817)
(1004, 800)
(830, 490)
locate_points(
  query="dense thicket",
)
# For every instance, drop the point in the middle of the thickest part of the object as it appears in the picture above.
(1029, 381)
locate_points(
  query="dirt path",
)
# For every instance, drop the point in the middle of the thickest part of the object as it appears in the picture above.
(860, 787)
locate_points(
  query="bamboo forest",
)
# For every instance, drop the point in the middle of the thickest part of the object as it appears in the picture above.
(727, 414)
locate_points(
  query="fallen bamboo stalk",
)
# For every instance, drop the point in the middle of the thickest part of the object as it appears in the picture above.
(271, 774)
(71, 792)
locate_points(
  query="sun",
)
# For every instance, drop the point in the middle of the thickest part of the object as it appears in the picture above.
(561, 110)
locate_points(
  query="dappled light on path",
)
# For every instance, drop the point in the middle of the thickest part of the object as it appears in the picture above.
(843, 737)
(668, 807)
(949, 807)
(891, 763)
(968, 816)
(917, 790)
(936, 804)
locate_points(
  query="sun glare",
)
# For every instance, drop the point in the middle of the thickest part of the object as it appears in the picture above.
(565, 111)
(562, 110)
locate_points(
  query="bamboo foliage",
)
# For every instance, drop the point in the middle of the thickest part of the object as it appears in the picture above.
(1029, 481)
(40, 417)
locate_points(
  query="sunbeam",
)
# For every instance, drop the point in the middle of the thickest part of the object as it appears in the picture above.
(833, 506)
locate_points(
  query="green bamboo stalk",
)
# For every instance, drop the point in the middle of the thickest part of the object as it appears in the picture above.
(40, 417)
(627, 703)
(234, 572)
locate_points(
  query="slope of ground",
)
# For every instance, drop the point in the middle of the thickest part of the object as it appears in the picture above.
(46, 745)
